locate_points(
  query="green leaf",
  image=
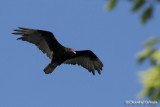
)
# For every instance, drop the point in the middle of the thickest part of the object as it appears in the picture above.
(151, 82)
(146, 15)
(156, 57)
(111, 4)
(151, 42)
(144, 54)
(138, 4)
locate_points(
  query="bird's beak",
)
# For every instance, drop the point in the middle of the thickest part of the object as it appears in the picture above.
(74, 52)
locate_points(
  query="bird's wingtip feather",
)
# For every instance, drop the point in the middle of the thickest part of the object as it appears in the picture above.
(17, 33)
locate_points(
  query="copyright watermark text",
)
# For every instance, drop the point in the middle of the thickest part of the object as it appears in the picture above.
(132, 102)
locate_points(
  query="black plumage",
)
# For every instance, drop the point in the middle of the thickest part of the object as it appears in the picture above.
(59, 54)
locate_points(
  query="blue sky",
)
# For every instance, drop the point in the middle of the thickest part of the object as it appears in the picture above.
(115, 37)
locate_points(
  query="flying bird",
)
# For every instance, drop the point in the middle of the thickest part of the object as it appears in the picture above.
(59, 54)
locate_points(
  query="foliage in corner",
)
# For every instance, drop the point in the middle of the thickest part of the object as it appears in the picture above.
(146, 15)
(111, 4)
(151, 77)
(146, 5)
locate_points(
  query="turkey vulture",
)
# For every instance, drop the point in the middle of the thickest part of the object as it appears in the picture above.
(59, 54)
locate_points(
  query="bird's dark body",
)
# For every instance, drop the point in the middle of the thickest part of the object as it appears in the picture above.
(59, 54)
(60, 58)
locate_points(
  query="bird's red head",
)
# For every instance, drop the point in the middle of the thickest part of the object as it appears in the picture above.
(72, 50)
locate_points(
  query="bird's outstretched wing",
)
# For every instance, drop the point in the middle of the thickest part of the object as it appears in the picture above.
(44, 40)
(86, 59)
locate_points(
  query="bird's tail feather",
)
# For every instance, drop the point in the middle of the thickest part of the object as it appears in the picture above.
(50, 68)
